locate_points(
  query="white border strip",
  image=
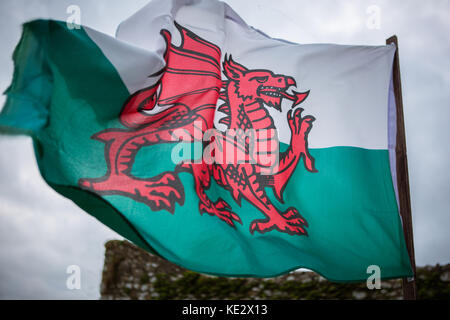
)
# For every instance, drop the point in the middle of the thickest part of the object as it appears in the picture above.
(392, 136)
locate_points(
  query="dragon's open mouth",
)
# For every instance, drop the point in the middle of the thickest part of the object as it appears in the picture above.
(271, 91)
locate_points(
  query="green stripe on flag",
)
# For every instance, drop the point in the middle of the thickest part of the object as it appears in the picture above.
(349, 204)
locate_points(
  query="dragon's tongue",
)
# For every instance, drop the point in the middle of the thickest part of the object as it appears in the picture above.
(297, 97)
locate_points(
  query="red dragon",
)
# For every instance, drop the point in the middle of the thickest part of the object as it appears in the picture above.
(188, 92)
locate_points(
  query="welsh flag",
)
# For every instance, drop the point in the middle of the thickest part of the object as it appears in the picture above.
(218, 148)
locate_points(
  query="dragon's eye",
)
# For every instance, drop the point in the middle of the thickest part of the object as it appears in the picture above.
(260, 79)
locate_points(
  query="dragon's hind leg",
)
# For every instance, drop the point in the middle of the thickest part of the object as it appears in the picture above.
(289, 221)
(202, 176)
(159, 192)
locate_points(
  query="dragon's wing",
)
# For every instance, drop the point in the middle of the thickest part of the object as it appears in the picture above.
(190, 83)
(192, 75)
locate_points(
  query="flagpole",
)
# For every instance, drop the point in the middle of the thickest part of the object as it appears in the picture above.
(409, 284)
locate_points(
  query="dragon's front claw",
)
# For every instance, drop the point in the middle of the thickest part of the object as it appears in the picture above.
(299, 125)
(300, 128)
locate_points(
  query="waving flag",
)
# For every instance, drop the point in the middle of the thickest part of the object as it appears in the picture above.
(215, 146)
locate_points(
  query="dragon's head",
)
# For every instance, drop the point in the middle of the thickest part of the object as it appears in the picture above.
(261, 85)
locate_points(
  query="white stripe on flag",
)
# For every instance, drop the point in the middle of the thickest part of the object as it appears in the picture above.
(349, 85)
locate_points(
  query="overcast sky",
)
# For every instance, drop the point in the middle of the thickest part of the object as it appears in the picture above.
(42, 233)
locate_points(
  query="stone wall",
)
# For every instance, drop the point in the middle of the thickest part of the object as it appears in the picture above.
(132, 273)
